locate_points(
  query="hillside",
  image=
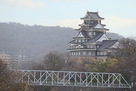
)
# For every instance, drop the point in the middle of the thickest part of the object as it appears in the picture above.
(35, 41)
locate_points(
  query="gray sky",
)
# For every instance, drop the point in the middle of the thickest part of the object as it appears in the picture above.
(120, 15)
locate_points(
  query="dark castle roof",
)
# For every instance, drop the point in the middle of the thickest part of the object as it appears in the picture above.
(84, 34)
(92, 15)
(94, 39)
(106, 44)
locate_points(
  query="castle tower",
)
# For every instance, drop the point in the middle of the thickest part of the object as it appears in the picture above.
(91, 41)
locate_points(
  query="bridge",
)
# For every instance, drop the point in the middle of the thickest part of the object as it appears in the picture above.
(72, 78)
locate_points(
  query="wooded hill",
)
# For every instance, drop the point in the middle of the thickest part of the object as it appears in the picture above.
(35, 41)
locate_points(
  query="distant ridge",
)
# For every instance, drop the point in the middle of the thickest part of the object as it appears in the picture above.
(35, 41)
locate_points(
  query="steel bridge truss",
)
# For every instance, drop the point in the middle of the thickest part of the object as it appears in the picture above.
(71, 78)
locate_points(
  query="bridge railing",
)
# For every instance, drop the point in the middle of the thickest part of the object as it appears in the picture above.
(72, 78)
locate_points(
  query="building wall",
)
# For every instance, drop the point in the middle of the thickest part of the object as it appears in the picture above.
(83, 53)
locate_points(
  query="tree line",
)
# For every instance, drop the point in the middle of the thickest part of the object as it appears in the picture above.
(124, 62)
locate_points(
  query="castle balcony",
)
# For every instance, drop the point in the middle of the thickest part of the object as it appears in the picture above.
(75, 49)
(83, 24)
(104, 53)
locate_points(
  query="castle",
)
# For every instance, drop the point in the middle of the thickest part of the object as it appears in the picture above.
(91, 41)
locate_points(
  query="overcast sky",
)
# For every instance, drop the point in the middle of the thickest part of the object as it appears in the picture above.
(120, 15)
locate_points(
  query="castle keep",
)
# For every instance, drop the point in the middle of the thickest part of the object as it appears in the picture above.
(91, 41)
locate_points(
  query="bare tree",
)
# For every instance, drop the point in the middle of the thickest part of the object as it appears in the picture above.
(8, 79)
(126, 54)
(54, 61)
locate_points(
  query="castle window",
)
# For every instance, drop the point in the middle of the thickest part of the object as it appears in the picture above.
(101, 53)
(105, 53)
(94, 33)
(98, 53)
(97, 46)
(91, 46)
(79, 40)
(71, 47)
(73, 53)
(90, 33)
(78, 53)
(89, 53)
(84, 53)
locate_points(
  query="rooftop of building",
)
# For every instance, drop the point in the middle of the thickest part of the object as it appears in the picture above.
(106, 44)
(92, 15)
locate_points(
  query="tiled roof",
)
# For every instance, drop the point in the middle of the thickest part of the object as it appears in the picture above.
(98, 26)
(106, 44)
(73, 42)
(93, 15)
(84, 34)
(98, 36)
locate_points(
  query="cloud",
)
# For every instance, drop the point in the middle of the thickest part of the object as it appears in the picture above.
(25, 3)
(119, 22)
(73, 23)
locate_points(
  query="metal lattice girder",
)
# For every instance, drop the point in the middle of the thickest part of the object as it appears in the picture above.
(72, 78)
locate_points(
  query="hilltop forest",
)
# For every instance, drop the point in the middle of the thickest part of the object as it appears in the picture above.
(35, 41)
